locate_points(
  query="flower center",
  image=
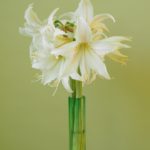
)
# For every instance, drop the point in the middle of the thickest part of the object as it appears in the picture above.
(83, 47)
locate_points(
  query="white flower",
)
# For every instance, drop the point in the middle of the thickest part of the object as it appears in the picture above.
(85, 9)
(86, 54)
(52, 68)
(45, 37)
(72, 46)
(42, 33)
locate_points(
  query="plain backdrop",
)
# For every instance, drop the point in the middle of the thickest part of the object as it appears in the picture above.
(118, 111)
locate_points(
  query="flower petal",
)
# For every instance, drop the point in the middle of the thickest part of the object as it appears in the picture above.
(58, 32)
(31, 17)
(65, 50)
(97, 25)
(75, 76)
(51, 17)
(48, 75)
(33, 23)
(66, 84)
(85, 10)
(118, 57)
(102, 17)
(97, 65)
(84, 68)
(109, 45)
(83, 31)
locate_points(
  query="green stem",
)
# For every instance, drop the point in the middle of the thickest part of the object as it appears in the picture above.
(78, 89)
(73, 87)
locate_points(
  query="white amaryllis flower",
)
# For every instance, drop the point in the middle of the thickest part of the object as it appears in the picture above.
(45, 37)
(85, 9)
(42, 33)
(52, 68)
(86, 54)
(72, 46)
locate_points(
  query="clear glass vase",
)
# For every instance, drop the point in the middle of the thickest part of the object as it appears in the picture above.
(77, 132)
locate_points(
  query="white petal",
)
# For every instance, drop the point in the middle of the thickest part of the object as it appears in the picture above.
(72, 65)
(93, 77)
(102, 17)
(31, 17)
(47, 44)
(96, 64)
(75, 76)
(26, 31)
(109, 45)
(83, 31)
(85, 10)
(62, 68)
(58, 32)
(65, 50)
(66, 84)
(41, 59)
(50, 74)
(84, 69)
(33, 23)
(117, 39)
(37, 41)
(51, 17)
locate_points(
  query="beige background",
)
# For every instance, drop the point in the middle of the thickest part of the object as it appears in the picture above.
(118, 111)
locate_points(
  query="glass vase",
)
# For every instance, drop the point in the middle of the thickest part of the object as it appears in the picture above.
(77, 131)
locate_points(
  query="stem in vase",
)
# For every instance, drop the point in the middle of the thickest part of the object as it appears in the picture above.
(77, 138)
